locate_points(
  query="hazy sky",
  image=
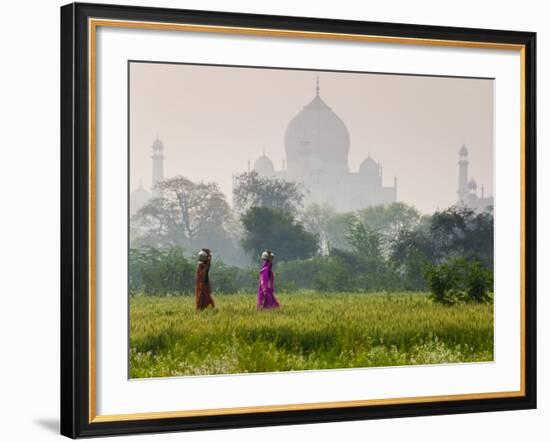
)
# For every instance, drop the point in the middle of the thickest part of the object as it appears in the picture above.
(212, 120)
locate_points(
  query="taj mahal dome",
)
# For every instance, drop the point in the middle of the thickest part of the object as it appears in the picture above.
(317, 145)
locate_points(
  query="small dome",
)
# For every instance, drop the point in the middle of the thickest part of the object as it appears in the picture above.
(157, 145)
(140, 191)
(463, 151)
(264, 166)
(138, 198)
(472, 184)
(369, 167)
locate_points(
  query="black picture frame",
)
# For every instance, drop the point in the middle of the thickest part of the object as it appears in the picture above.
(75, 220)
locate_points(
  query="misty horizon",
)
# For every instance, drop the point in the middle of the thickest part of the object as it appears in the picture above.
(215, 122)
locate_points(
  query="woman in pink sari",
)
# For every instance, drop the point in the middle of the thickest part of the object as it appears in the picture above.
(266, 287)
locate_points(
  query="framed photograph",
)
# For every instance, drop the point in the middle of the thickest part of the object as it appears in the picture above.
(273, 220)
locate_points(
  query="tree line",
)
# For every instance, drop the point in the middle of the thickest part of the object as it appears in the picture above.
(377, 248)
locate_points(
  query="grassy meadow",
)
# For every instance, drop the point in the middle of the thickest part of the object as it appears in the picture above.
(310, 331)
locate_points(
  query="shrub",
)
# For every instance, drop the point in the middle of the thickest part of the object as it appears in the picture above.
(440, 280)
(336, 277)
(341, 271)
(265, 227)
(231, 279)
(479, 283)
(160, 271)
(458, 281)
(300, 273)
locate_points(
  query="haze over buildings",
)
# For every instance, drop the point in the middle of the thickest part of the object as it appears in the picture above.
(317, 145)
(346, 138)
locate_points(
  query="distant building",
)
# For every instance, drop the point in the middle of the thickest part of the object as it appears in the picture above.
(158, 165)
(140, 196)
(467, 188)
(317, 148)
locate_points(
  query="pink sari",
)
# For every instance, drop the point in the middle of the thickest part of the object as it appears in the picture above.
(266, 288)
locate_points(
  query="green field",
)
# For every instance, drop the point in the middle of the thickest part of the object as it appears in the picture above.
(310, 331)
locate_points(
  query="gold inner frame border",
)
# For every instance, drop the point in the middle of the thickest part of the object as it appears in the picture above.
(93, 24)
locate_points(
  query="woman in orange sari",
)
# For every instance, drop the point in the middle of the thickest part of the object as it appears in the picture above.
(203, 292)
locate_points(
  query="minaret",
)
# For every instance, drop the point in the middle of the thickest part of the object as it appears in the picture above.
(317, 88)
(158, 165)
(462, 175)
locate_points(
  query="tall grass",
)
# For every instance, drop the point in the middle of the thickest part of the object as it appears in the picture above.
(310, 331)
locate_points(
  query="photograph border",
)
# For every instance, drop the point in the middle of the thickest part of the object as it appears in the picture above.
(256, 67)
(79, 23)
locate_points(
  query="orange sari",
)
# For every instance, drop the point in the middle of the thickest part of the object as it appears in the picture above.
(203, 292)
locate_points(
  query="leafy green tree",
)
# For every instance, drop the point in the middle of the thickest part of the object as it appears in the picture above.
(479, 283)
(446, 235)
(389, 221)
(409, 252)
(459, 280)
(152, 225)
(370, 268)
(329, 225)
(270, 228)
(187, 214)
(316, 218)
(337, 230)
(364, 240)
(459, 231)
(253, 190)
(194, 207)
